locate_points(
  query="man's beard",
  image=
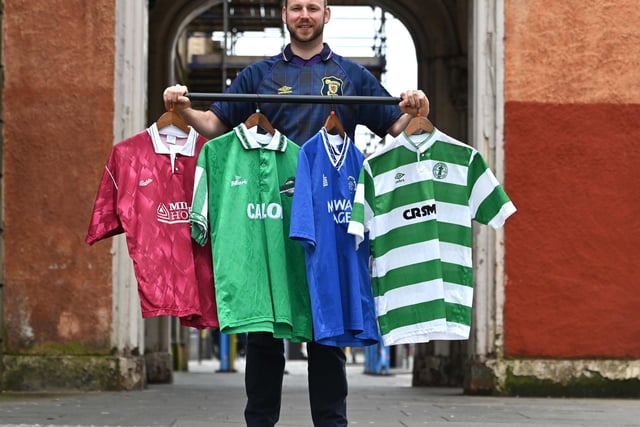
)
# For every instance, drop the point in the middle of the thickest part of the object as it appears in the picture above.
(316, 33)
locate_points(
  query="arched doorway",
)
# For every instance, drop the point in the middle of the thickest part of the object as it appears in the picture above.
(439, 29)
(440, 33)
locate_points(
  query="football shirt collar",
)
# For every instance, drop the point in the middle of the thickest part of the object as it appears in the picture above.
(289, 56)
(187, 149)
(251, 140)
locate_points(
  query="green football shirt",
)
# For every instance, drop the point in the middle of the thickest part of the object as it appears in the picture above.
(242, 202)
(417, 198)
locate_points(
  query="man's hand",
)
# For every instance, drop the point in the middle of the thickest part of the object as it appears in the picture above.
(174, 98)
(414, 102)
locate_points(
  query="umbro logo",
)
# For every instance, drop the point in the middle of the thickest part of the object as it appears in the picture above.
(285, 90)
(145, 182)
(399, 177)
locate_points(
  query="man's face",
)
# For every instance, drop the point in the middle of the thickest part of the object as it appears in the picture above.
(305, 19)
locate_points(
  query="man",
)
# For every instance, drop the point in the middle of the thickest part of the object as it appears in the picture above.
(307, 66)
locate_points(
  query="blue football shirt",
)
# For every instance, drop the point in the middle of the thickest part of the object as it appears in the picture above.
(338, 275)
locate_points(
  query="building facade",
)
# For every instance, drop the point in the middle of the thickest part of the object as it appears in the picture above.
(546, 90)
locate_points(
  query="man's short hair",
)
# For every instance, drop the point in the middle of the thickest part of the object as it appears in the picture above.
(326, 3)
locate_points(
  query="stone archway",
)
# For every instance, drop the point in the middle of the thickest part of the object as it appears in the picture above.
(167, 19)
(440, 31)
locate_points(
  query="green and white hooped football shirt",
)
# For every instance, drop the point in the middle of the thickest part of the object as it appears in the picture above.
(417, 198)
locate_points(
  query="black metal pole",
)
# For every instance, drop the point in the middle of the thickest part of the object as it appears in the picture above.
(294, 99)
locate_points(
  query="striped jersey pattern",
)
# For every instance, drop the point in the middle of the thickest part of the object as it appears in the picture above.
(417, 199)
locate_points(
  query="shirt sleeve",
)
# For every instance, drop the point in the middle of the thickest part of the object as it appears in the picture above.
(199, 216)
(377, 117)
(302, 221)
(234, 113)
(105, 221)
(488, 201)
(358, 222)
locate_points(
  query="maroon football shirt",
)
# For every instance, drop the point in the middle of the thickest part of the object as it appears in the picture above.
(145, 193)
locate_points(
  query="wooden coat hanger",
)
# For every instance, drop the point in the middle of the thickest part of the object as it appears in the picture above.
(419, 124)
(333, 123)
(260, 120)
(171, 118)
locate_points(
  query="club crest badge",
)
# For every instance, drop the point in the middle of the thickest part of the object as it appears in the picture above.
(331, 86)
(440, 170)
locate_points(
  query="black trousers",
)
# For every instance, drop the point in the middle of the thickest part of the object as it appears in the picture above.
(263, 382)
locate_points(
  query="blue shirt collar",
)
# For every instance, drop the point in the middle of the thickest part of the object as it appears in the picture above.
(289, 56)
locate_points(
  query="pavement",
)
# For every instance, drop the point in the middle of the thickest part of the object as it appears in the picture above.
(203, 396)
